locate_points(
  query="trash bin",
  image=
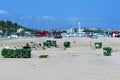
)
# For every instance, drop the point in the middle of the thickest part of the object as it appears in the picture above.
(45, 44)
(18, 53)
(53, 43)
(26, 53)
(67, 44)
(107, 51)
(98, 45)
(26, 47)
(48, 43)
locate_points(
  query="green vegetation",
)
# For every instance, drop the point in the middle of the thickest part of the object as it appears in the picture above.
(58, 31)
(98, 30)
(7, 28)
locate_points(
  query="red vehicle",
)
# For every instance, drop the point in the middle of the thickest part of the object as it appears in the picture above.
(42, 34)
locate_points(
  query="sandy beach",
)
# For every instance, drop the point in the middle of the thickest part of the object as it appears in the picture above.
(79, 62)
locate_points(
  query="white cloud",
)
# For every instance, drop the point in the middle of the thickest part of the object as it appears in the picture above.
(73, 19)
(48, 17)
(29, 17)
(26, 17)
(38, 17)
(3, 12)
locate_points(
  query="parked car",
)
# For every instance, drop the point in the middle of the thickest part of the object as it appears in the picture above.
(57, 36)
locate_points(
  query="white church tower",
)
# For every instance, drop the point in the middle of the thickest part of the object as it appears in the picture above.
(79, 27)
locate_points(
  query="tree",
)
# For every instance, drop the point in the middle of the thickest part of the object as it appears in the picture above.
(15, 24)
(98, 30)
(9, 23)
(8, 28)
(2, 23)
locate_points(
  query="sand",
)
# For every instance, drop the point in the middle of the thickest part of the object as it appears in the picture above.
(79, 62)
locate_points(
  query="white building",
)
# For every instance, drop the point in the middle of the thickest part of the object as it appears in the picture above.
(1, 31)
(20, 29)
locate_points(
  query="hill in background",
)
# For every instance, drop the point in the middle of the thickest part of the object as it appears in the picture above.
(8, 28)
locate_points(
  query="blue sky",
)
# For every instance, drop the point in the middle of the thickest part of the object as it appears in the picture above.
(62, 14)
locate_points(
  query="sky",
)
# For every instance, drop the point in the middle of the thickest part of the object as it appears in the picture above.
(62, 14)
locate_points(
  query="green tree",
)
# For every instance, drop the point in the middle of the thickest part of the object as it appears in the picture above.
(2, 23)
(9, 23)
(98, 30)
